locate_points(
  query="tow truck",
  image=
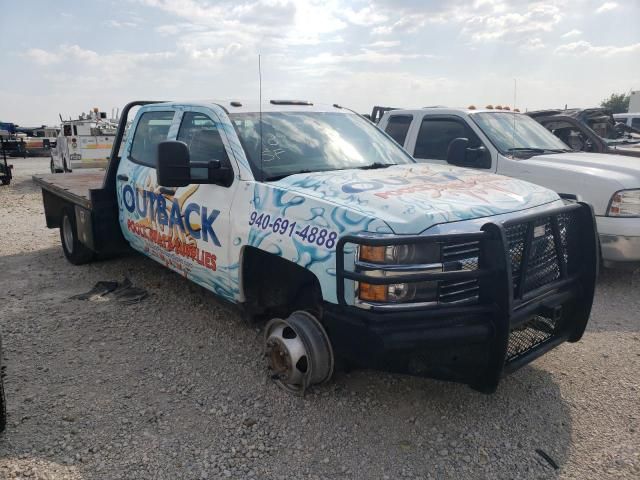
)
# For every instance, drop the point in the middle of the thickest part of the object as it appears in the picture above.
(350, 253)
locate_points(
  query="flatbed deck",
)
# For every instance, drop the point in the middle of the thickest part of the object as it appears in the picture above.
(73, 187)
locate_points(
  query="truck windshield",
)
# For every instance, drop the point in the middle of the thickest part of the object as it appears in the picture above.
(515, 134)
(304, 142)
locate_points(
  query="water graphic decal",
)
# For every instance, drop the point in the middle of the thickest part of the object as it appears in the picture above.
(201, 231)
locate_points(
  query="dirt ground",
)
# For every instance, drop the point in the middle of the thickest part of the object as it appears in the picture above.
(174, 387)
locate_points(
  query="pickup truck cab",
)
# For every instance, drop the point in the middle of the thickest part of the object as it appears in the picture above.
(592, 130)
(312, 220)
(512, 144)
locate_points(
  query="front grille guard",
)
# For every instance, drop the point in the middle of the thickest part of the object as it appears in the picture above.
(509, 303)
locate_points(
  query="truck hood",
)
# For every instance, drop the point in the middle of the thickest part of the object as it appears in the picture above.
(412, 198)
(632, 149)
(619, 170)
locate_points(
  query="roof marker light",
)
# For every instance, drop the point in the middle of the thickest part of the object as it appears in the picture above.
(489, 107)
(471, 107)
(290, 102)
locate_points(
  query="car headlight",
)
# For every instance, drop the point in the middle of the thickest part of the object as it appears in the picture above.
(625, 203)
(396, 260)
(404, 254)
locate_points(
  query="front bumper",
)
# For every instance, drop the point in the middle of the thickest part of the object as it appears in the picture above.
(510, 324)
(619, 239)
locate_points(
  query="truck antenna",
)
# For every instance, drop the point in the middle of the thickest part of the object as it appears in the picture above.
(260, 109)
(515, 90)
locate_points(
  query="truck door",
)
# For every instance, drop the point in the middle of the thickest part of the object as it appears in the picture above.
(435, 135)
(185, 228)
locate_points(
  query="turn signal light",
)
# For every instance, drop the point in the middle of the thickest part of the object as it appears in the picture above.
(372, 254)
(372, 293)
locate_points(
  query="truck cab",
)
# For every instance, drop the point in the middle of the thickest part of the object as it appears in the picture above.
(590, 130)
(513, 144)
(347, 250)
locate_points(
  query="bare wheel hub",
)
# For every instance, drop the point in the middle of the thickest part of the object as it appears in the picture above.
(298, 352)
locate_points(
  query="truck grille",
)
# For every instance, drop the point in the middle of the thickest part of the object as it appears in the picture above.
(530, 335)
(460, 256)
(542, 264)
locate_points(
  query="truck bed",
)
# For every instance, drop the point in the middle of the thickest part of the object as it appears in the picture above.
(73, 187)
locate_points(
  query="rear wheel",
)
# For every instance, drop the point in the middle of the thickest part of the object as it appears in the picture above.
(73, 249)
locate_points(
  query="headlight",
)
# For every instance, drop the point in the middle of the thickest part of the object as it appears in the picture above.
(387, 261)
(625, 203)
(414, 292)
(406, 254)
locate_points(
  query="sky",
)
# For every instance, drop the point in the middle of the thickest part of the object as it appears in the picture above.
(66, 57)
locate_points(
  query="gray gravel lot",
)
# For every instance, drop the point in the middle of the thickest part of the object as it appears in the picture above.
(174, 387)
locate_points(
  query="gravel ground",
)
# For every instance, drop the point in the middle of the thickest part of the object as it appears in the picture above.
(173, 387)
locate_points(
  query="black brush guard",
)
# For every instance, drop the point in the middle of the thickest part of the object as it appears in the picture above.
(536, 276)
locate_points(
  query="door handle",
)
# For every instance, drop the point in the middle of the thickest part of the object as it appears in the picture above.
(123, 177)
(167, 191)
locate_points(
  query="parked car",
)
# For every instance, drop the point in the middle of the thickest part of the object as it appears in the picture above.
(590, 130)
(513, 144)
(313, 220)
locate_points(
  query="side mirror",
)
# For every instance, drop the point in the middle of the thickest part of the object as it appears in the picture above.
(460, 154)
(173, 168)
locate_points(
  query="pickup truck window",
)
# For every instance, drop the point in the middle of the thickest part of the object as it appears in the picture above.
(398, 127)
(513, 132)
(436, 134)
(201, 134)
(152, 129)
(635, 123)
(301, 142)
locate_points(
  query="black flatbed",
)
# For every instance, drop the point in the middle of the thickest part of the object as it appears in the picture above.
(73, 187)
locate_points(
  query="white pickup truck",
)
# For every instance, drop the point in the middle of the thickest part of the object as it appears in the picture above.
(314, 221)
(513, 144)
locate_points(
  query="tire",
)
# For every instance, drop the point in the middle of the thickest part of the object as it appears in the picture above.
(55, 169)
(73, 249)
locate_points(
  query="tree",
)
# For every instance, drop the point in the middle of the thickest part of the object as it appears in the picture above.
(617, 102)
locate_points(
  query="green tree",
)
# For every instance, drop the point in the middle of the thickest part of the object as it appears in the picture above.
(617, 102)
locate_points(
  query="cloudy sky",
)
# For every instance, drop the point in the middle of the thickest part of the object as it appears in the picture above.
(67, 56)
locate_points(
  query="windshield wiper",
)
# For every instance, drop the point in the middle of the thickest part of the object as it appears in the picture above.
(526, 149)
(284, 175)
(540, 150)
(376, 165)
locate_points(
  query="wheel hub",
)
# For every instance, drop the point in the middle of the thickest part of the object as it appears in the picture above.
(298, 352)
